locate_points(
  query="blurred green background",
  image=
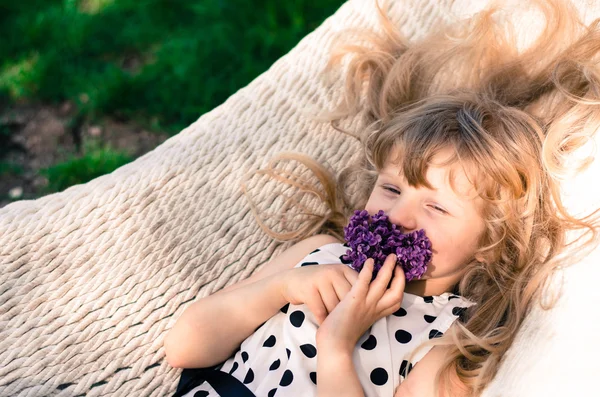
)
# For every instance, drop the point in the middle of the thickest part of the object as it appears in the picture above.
(94, 69)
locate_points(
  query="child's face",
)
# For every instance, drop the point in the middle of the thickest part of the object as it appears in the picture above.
(451, 220)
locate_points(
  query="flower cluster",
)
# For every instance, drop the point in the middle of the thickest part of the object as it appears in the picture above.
(376, 237)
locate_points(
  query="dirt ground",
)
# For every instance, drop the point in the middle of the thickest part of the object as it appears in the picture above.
(39, 136)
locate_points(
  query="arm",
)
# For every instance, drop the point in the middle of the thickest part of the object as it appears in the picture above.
(209, 330)
(419, 381)
(336, 375)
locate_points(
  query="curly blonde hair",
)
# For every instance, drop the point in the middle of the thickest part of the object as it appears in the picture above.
(513, 115)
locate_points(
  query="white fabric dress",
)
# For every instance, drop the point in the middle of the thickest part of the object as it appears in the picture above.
(280, 357)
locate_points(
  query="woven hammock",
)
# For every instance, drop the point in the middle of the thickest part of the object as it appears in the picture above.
(92, 278)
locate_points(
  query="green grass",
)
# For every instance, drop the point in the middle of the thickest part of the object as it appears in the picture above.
(160, 63)
(96, 161)
(7, 168)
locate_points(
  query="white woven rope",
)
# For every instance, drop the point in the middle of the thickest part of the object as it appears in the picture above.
(93, 277)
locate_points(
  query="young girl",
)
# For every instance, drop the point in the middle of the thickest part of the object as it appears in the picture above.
(465, 138)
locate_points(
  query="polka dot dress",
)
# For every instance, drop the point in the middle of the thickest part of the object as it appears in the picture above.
(280, 358)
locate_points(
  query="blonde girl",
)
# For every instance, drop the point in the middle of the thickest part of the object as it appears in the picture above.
(464, 137)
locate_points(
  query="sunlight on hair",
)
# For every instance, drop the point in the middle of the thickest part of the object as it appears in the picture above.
(581, 190)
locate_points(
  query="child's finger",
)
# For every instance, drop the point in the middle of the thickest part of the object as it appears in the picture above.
(382, 280)
(367, 270)
(329, 297)
(364, 277)
(318, 309)
(351, 275)
(396, 291)
(342, 289)
(399, 281)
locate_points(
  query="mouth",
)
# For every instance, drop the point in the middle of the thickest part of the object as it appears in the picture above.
(374, 236)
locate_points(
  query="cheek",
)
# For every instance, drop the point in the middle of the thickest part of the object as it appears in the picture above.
(451, 249)
(457, 248)
(374, 204)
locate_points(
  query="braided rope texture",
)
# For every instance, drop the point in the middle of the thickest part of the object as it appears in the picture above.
(92, 278)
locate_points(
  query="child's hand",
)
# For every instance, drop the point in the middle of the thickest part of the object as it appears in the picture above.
(366, 303)
(319, 287)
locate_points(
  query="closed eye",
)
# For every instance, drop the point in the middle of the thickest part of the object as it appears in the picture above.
(439, 209)
(391, 189)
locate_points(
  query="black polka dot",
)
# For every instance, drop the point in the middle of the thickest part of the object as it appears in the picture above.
(249, 377)
(457, 311)
(289, 353)
(287, 378)
(400, 312)
(270, 342)
(201, 393)
(346, 245)
(379, 376)
(275, 365)
(272, 392)
(434, 333)
(405, 368)
(344, 260)
(285, 308)
(453, 297)
(428, 299)
(429, 319)
(233, 368)
(403, 336)
(315, 251)
(244, 356)
(370, 343)
(309, 350)
(313, 377)
(297, 318)
(309, 263)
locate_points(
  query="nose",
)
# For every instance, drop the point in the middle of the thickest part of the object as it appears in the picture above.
(403, 214)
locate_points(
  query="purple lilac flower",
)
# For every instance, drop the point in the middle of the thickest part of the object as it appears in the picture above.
(376, 237)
